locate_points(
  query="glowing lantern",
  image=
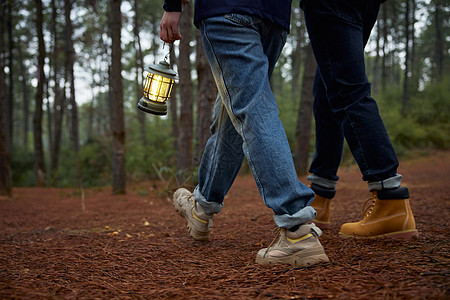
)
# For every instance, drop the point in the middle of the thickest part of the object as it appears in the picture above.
(157, 88)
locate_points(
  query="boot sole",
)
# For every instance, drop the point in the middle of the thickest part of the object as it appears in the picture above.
(195, 234)
(304, 258)
(401, 235)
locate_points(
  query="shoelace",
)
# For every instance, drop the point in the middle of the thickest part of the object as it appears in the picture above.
(277, 231)
(366, 211)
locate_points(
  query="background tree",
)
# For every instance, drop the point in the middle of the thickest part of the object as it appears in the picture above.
(40, 170)
(5, 167)
(117, 114)
(185, 131)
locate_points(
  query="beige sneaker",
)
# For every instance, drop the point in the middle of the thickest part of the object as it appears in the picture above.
(199, 223)
(389, 215)
(298, 248)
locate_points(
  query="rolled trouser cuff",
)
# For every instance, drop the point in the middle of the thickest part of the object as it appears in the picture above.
(394, 194)
(322, 182)
(209, 207)
(304, 215)
(390, 183)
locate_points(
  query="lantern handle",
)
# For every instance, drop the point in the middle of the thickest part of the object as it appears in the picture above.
(170, 51)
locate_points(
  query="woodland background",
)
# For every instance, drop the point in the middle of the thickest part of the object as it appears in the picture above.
(71, 74)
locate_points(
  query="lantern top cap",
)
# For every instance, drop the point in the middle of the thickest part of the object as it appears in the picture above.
(163, 69)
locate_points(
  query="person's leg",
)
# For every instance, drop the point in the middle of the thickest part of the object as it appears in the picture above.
(338, 37)
(241, 65)
(338, 41)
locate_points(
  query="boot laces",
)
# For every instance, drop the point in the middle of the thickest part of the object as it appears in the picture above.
(368, 210)
(277, 232)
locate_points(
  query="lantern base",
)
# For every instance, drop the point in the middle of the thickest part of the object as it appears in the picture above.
(152, 107)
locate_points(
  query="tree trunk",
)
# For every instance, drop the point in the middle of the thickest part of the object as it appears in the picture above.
(439, 44)
(303, 130)
(26, 99)
(206, 94)
(58, 106)
(10, 98)
(385, 39)
(70, 60)
(173, 104)
(296, 55)
(37, 120)
(117, 114)
(5, 167)
(376, 65)
(184, 156)
(139, 74)
(405, 98)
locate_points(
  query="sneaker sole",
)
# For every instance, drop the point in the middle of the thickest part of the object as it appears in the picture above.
(304, 258)
(195, 234)
(400, 235)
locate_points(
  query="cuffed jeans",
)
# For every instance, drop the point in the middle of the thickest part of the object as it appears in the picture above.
(338, 31)
(242, 51)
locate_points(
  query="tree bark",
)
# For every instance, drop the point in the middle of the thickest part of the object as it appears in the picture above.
(405, 97)
(184, 156)
(139, 74)
(58, 105)
(37, 120)
(70, 60)
(5, 166)
(117, 114)
(173, 104)
(385, 39)
(439, 44)
(10, 98)
(206, 94)
(303, 129)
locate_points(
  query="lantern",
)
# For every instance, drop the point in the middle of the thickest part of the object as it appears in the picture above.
(157, 88)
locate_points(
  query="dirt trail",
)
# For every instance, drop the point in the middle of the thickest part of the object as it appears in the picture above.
(136, 246)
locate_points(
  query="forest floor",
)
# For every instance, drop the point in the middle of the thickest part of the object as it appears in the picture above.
(56, 244)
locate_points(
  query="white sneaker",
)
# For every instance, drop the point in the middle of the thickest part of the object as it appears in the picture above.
(298, 248)
(199, 223)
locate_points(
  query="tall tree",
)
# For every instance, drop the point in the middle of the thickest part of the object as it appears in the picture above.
(439, 41)
(139, 71)
(206, 94)
(304, 121)
(5, 167)
(117, 114)
(58, 104)
(405, 97)
(70, 78)
(184, 155)
(10, 98)
(173, 104)
(37, 120)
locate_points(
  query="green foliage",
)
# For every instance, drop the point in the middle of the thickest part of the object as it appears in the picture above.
(425, 124)
(22, 166)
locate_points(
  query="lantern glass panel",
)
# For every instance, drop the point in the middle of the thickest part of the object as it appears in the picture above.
(157, 87)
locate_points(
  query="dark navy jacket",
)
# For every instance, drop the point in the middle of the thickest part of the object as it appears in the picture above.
(275, 11)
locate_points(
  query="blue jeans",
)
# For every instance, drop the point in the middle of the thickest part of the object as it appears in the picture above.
(242, 51)
(343, 108)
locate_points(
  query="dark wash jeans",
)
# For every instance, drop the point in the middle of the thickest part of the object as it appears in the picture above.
(343, 108)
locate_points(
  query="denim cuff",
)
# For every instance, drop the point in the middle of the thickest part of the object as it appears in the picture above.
(390, 183)
(322, 182)
(209, 207)
(302, 216)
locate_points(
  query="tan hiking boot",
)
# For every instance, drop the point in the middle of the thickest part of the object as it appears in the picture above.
(199, 223)
(389, 215)
(298, 248)
(322, 207)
